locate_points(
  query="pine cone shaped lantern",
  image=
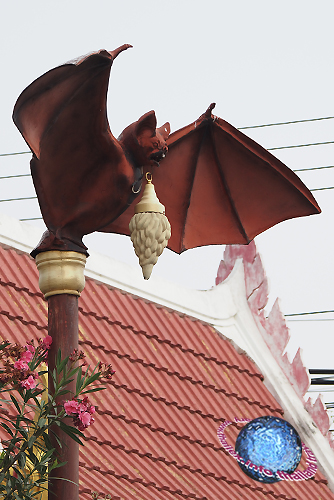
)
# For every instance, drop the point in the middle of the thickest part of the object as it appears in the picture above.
(149, 228)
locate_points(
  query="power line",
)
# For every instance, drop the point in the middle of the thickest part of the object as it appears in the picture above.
(320, 319)
(312, 168)
(13, 154)
(14, 176)
(309, 312)
(301, 145)
(294, 170)
(268, 149)
(287, 123)
(322, 189)
(32, 218)
(321, 371)
(20, 199)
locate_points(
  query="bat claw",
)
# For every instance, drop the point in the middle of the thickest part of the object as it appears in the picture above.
(208, 112)
(114, 53)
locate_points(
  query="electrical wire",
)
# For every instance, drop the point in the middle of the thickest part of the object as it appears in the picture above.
(32, 218)
(287, 123)
(13, 154)
(312, 168)
(322, 189)
(301, 145)
(320, 319)
(20, 199)
(309, 312)
(12, 176)
(294, 170)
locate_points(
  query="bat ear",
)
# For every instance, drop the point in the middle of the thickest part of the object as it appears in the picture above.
(164, 130)
(146, 122)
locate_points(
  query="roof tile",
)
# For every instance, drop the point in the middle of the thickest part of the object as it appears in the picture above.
(176, 380)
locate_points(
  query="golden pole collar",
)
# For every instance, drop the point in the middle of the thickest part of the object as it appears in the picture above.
(61, 272)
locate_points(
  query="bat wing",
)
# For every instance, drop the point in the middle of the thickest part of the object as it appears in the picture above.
(77, 163)
(221, 187)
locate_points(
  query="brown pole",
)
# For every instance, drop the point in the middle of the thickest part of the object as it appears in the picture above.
(61, 279)
(63, 328)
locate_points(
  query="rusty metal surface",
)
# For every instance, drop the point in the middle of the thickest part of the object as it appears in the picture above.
(176, 380)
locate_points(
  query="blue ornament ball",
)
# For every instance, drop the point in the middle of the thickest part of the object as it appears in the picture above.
(269, 442)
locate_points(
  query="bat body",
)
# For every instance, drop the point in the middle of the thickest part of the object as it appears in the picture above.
(218, 185)
(84, 177)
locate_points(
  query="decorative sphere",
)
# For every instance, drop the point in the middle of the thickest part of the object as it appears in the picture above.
(269, 442)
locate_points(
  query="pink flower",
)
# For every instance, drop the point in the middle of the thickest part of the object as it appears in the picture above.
(29, 383)
(83, 407)
(30, 348)
(47, 341)
(21, 365)
(85, 418)
(71, 407)
(26, 356)
(92, 410)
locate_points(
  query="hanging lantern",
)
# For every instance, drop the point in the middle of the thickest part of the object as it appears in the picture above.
(149, 228)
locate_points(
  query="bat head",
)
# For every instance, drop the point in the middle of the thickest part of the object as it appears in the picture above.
(145, 143)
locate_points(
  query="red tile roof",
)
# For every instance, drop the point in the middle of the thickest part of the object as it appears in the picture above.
(176, 380)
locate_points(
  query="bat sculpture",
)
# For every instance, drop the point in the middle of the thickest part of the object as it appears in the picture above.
(218, 185)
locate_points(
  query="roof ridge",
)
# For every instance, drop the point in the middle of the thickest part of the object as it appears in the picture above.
(169, 342)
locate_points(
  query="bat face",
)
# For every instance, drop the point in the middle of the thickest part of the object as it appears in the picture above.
(145, 143)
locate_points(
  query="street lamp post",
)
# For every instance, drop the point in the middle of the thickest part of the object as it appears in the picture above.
(61, 279)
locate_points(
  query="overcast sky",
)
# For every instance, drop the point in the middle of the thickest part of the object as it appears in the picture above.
(260, 61)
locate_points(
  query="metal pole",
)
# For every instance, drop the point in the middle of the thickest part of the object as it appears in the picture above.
(61, 279)
(63, 328)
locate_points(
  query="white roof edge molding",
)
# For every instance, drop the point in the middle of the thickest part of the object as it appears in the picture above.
(235, 308)
(264, 340)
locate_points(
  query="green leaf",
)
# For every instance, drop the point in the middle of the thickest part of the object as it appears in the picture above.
(93, 390)
(91, 379)
(21, 460)
(72, 432)
(62, 364)
(79, 381)
(58, 358)
(16, 404)
(42, 422)
(5, 426)
(63, 392)
(31, 441)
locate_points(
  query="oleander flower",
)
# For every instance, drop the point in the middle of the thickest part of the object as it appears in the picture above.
(29, 383)
(26, 356)
(31, 348)
(81, 412)
(85, 418)
(71, 407)
(21, 365)
(47, 341)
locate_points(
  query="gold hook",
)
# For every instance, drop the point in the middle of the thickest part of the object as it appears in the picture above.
(148, 176)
